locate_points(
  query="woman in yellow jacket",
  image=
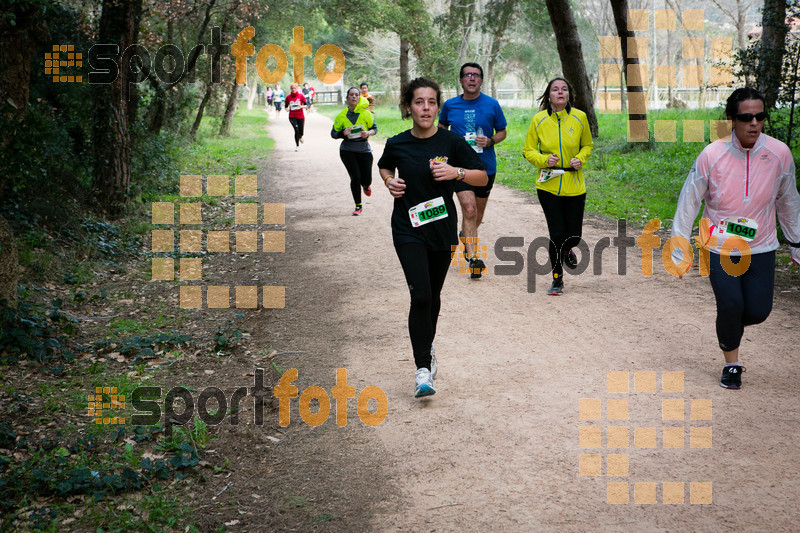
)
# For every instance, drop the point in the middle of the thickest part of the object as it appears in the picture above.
(355, 125)
(559, 144)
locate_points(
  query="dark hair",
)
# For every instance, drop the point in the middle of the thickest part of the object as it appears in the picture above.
(362, 84)
(473, 65)
(740, 95)
(350, 89)
(408, 93)
(544, 100)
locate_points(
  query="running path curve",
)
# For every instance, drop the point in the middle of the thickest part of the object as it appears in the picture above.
(497, 446)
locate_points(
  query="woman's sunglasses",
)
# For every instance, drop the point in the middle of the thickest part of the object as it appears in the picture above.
(748, 117)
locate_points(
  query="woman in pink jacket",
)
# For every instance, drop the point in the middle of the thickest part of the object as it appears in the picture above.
(744, 183)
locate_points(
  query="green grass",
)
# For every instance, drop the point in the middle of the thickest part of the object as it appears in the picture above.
(127, 326)
(234, 154)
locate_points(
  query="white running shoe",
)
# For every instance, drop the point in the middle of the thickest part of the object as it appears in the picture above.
(434, 366)
(296, 148)
(424, 383)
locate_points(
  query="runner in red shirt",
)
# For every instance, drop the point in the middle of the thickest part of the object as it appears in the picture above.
(295, 103)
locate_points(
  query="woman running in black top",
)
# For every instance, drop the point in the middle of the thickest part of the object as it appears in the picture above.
(427, 160)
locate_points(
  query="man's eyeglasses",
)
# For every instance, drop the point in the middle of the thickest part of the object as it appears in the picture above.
(472, 75)
(748, 117)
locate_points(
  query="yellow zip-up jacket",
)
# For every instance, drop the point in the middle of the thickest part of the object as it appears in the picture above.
(364, 118)
(567, 135)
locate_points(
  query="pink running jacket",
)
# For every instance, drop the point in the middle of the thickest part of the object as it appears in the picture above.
(738, 182)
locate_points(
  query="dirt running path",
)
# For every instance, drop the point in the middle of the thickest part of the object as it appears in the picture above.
(498, 446)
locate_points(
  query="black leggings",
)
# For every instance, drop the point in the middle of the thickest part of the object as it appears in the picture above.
(297, 124)
(742, 300)
(425, 272)
(564, 215)
(359, 166)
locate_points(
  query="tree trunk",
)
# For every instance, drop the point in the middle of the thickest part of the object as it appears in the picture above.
(18, 43)
(741, 24)
(404, 77)
(200, 110)
(795, 51)
(158, 108)
(9, 265)
(571, 54)
(251, 95)
(773, 41)
(230, 110)
(119, 24)
(499, 17)
(405, 46)
(462, 49)
(217, 54)
(620, 10)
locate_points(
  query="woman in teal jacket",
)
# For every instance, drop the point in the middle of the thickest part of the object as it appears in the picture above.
(355, 125)
(558, 144)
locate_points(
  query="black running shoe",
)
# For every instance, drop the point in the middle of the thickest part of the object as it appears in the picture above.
(557, 288)
(476, 267)
(732, 377)
(571, 260)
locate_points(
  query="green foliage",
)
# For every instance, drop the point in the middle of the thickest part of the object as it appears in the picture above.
(28, 332)
(126, 326)
(93, 466)
(236, 154)
(185, 437)
(783, 121)
(143, 345)
(226, 337)
(44, 176)
(154, 157)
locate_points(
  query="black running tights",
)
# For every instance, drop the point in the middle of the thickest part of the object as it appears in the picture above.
(742, 300)
(564, 215)
(297, 124)
(425, 272)
(359, 166)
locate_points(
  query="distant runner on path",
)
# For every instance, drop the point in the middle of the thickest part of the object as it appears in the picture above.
(480, 120)
(354, 125)
(277, 100)
(743, 183)
(295, 103)
(429, 160)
